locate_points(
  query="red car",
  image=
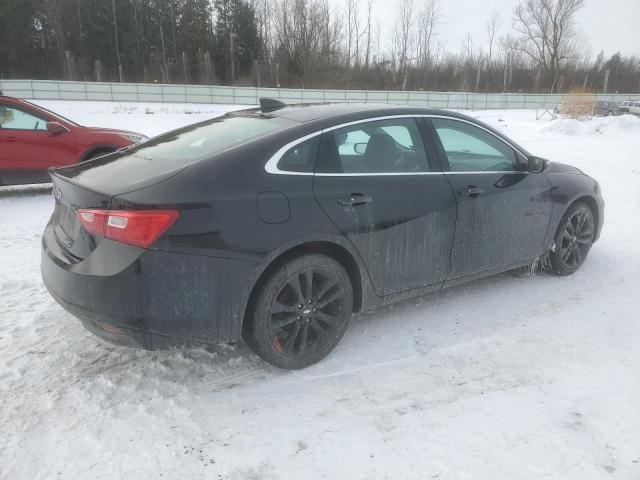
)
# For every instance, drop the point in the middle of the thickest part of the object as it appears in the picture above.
(32, 139)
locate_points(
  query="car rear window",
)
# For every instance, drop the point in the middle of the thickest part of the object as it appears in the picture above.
(207, 139)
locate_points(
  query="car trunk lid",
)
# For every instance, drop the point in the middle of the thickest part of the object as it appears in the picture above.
(119, 172)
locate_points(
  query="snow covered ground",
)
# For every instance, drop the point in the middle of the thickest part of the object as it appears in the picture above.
(504, 378)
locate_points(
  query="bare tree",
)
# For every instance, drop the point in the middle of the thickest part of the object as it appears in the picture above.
(467, 60)
(306, 37)
(367, 54)
(353, 25)
(428, 22)
(546, 32)
(492, 26)
(115, 31)
(53, 12)
(402, 38)
(264, 17)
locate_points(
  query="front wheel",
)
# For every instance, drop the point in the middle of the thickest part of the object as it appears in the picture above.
(301, 312)
(98, 153)
(573, 240)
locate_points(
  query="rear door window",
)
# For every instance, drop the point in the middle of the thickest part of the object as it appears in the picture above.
(381, 146)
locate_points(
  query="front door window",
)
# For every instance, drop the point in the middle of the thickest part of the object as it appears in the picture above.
(471, 149)
(15, 119)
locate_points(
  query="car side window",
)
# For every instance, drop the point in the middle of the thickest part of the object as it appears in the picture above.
(381, 146)
(301, 158)
(471, 149)
(12, 118)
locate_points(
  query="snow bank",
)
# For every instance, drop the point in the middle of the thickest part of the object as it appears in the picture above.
(594, 126)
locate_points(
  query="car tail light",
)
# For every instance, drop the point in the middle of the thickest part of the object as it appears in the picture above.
(134, 227)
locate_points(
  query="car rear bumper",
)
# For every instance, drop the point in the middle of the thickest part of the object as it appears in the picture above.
(153, 299)
(108, 329)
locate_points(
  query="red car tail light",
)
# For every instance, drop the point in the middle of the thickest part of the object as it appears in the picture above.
(133, 227)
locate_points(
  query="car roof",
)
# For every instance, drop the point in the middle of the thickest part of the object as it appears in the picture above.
(318, 116)
(344, 111)
(327, 114)
(317, 111)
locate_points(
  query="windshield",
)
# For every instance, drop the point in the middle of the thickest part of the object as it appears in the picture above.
(207, 139)
(54, 114)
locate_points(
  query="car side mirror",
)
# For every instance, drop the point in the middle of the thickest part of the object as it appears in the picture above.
(535, 164)
(56, 128)
(360, 148)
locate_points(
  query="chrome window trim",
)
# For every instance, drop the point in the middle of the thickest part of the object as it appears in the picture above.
(395, 174)
(376, 174)
(272, 164)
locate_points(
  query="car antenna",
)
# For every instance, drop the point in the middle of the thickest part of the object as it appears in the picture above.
(271, 104)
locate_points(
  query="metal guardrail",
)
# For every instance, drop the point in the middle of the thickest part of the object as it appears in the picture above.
(213, 94)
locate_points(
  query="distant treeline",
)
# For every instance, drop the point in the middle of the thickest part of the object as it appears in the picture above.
(303, 43)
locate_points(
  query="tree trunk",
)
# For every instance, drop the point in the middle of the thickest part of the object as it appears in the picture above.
(165, 70)
(184, 67)
(478, 75)
(97, 70)
(605, 84)
(115, 30)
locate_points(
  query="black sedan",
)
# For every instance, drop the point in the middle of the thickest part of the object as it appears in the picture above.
(275, 224)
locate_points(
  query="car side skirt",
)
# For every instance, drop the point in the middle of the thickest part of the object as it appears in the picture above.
(23, 177)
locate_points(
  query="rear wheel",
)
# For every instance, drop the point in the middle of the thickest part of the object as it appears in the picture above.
(301, 312)
(573, 239)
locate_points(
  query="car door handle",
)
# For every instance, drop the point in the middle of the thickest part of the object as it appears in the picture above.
(354, 200)
(8, 139)
(470, 191)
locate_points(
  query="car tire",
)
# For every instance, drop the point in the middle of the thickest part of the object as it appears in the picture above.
(300, 312)
(573, 239)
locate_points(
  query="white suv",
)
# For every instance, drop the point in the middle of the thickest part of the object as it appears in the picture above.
(630, 106)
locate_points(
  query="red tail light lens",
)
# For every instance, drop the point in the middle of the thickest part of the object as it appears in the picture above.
(134, 227)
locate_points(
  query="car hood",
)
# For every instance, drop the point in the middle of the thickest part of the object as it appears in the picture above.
(557, 167)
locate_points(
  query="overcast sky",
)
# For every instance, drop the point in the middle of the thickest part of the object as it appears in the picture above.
(609, 25)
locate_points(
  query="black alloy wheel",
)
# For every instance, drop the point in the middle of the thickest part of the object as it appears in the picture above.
(573, 239)
(301, 313)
